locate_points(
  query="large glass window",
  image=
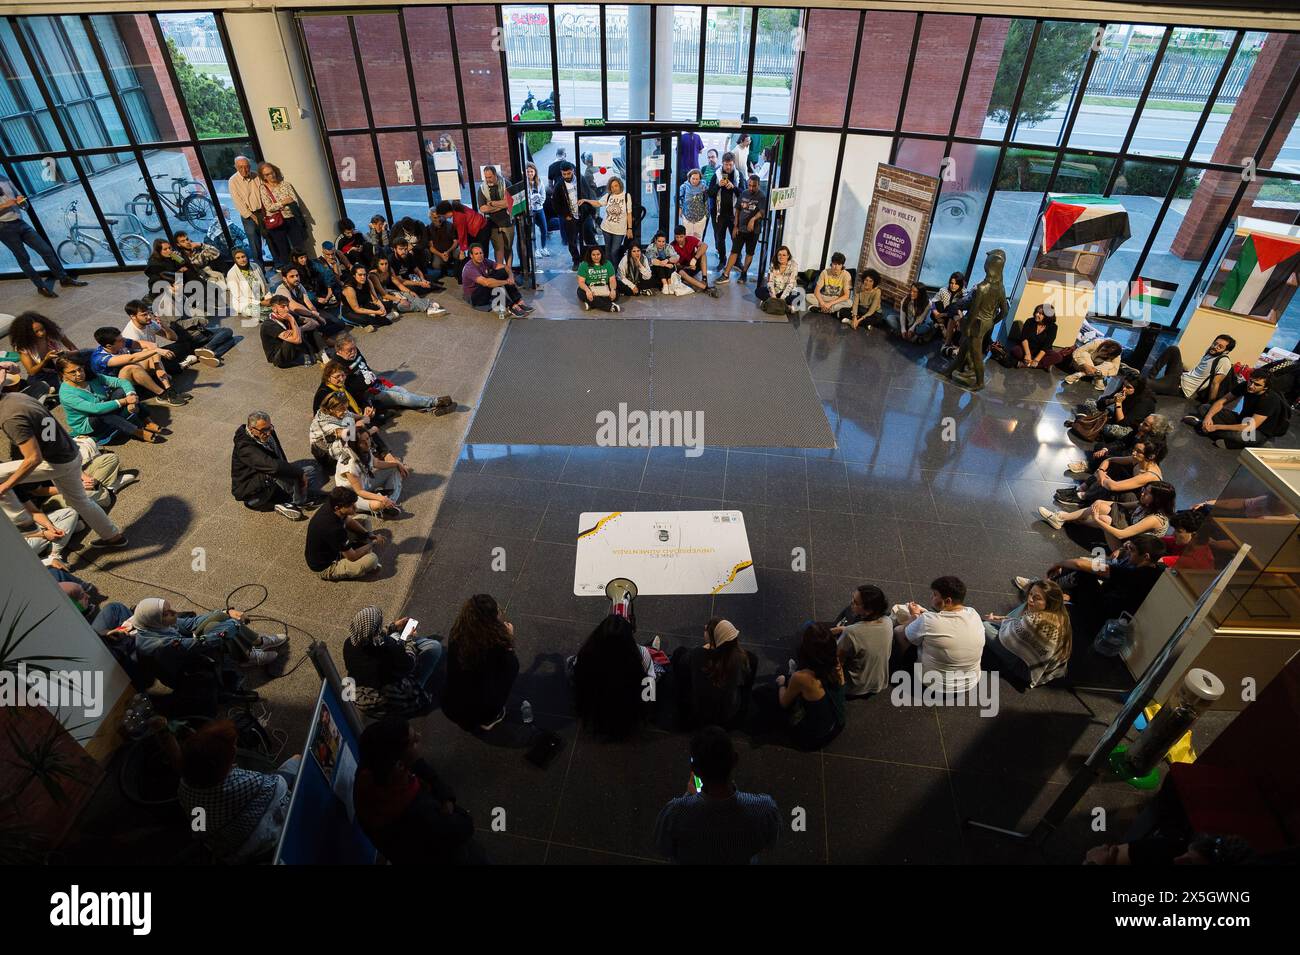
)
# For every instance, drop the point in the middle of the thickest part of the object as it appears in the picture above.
(1225, 104)
(1119, 74)
(1052, 80)
(478, 46)
(1192, 62)
(956, 218)
(334, 68)
(577, 41)
(827, 49)
(428, 35)
(627, 61)
(780, 38)
(882, 69)
(129, 91)
(528, 59)
(726, 62)
(383, 63)
(940, 58)
(678, 99)
(1141, 187)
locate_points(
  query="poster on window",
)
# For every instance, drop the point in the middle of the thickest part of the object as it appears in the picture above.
(898, 224)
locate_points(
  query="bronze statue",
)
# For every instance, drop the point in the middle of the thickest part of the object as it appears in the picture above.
(986, 305)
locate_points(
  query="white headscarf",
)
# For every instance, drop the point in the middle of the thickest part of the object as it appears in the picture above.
(148, 615)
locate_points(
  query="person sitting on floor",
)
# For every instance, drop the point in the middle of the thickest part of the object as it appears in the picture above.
(1150, 514)
(597, 286)
(946, 312)
(40, 344)
(865, 637)
(949, 637)
(47, 534)
(397, 668)
(810, 701)
(1095, 361)
(609, 677)
(334, 379)
(692, 261)
(406, 811)
(713, 681)
(399, 293)
(340, 545)
(833, 292)
(143, 326)
(286, 342)
(1118, 478)
(246, 291)
(481, 665)
(716, 824)
(99, 405)
(351, 245)
(115, 355)
(102, 477)
(1264, 415)
(333, 427)
(155, 624)
(244, 811)
(486, 286)
(1031, 342)
(635, 276)
(911, 321)
(780, 294)
(1204, 383)
(362, 307)
(1120, 412)
(1152, 426)
(379, 391)
(866, 307)
(261, 475)
(663, 262)
(1031, 644)
(304, 305)
(377, 481)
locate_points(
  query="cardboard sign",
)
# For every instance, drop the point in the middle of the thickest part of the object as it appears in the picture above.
(783, 198)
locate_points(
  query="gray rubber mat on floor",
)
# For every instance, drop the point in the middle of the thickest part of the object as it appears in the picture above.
(750, 381)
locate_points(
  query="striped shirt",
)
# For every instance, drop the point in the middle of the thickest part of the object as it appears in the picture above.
(702, 830)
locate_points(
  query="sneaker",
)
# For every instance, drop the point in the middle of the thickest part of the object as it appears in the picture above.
(528, 309)
(258, 657)
(289, 511)
(208, 357)
(1051, 517)
(1191, 419)
(269, 641)
(615, 307)
(435, 309)
(444, 401)
(743, 278)
(440, 410)
(367, 329)
(845, 321)
(189, 361)
(586, 306)
(110, 544)
(311, 503)
(1066, 494)
(722, 279)
(1077, 467)
(487, 726)
(948, 351)
(1022, 583)
(171, 401)
(1074, 379)
(1099, 384)
(126, 479)
(544, 252)
(68, 282)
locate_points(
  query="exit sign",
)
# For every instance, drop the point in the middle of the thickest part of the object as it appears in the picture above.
(596, 122)
(710, 124)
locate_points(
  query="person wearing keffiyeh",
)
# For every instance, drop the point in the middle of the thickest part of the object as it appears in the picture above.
(1033, 642)
(376, 656)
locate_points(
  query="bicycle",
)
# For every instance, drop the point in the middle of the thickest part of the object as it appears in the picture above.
(83, 243)
(191, 207)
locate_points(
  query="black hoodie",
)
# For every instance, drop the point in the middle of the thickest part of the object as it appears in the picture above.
(253, 465)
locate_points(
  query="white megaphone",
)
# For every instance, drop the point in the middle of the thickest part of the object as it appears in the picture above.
(621, 592)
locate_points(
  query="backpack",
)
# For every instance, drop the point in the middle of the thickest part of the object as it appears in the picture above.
(403, 698)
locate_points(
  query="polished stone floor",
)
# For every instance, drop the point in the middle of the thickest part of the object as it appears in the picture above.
(925, 479)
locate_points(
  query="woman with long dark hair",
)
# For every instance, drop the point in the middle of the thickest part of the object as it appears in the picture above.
(713, 681)
(361, 305)
(810, 702)
(40, 343)
(609, 679)
(1151, 514)
(481, 665)
(1033, 642)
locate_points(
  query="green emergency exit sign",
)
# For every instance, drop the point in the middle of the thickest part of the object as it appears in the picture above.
(593, 122)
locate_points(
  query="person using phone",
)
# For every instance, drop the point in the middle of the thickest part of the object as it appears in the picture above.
(715, 823)
(393, 661)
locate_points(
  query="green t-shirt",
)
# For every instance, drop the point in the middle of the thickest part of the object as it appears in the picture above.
(596, 275)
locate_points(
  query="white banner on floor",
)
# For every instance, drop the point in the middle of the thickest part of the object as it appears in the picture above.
(664, 552)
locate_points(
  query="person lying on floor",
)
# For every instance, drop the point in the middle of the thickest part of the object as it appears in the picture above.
(156, 623)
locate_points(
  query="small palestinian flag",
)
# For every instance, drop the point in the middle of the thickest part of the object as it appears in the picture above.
(1152, 291)
(1264, 266)
(519, 201)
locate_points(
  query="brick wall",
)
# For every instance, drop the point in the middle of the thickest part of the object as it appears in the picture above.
(1268, 82)
(830, 40)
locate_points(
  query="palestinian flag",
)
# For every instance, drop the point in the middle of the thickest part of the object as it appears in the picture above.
(1079, 220)
(1152, 291)
(1264, 266)
(519, 201)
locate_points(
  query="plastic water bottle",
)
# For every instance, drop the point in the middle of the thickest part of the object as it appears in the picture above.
(526, 712)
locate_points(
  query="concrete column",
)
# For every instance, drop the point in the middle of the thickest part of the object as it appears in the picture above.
(663, 54)
(275, 74)
(638, 59)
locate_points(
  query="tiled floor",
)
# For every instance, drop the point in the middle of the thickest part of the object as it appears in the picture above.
(896, 503)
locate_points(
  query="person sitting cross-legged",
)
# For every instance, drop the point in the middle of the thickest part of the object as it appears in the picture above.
(261, 475)
(663, 261)
(1032, 642)
(865, 641)
(717, 824)
(809, 700)
(286, 341)
(144, 368)
(397, 668)
(692, 261)
(833, 293)
(339, 543)
(949, 637)
(99, 405)
(597, 286)
(713, 681)
(377, 480)
(481, 665)
(485, 284)
(246, 291)
(379, 391)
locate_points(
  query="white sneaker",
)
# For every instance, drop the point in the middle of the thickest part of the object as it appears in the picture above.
(544, 252)
(1077, 467)
(269, 641)
(125, 479)
(615, 307)
(289, 511)
(258, 657)
(189, 361)
(1051, 517)
(1099, 384)
(435, 309)
(1075, 378)
(1022, 583)
(845, 321)
(586, 307)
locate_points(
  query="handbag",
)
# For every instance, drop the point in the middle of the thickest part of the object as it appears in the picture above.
(1088, 426)
(271, 220)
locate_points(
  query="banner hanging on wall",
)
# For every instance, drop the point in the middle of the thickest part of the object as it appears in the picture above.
(898, 224)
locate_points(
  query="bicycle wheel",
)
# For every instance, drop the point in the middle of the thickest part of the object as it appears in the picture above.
(73, 251)
(143, 208)
(196, 209)
(134, 248)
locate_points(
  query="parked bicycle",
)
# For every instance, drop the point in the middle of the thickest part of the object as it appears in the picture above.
(187, 200)
(85, 242)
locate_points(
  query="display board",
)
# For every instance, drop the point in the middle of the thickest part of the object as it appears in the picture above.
(898, 224)
(664, 552)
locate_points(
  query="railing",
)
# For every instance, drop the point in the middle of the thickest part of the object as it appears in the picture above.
(1183, 77)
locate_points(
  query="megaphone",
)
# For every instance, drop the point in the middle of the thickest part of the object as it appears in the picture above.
(621, 592)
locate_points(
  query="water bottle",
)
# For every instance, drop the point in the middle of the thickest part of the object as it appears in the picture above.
(1114, 636)
(526, 712)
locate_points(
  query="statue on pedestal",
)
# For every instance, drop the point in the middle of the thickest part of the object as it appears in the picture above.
(985, 306)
